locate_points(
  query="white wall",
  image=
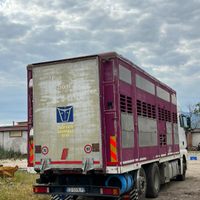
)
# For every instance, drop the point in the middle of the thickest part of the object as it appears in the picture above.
(14, 143)
(195, 139)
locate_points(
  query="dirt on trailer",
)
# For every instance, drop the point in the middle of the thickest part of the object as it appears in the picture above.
(188, 189)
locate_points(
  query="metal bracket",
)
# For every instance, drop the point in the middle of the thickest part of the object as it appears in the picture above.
(87, 164)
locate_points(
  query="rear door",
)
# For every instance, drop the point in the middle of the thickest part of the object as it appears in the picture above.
(67, 131)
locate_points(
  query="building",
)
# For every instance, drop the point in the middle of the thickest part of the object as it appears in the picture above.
(193, 139)
(14, 137)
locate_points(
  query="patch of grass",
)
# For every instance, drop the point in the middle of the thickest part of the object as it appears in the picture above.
(5, 154)
(20, 187)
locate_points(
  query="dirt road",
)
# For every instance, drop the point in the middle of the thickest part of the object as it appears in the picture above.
(22, 164)
(188, 189)
(174, 190)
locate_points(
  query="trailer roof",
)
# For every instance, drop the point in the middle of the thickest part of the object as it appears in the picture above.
(106, 55)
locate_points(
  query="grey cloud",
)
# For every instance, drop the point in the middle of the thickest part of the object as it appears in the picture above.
(157, 34)
(175, 58)
(74, 6)
(11, 30)
(48, 19)
(44, 35)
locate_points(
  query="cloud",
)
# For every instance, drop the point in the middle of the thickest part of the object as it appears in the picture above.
(160, 36)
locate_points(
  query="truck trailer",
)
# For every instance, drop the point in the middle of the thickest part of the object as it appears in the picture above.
(100, 126)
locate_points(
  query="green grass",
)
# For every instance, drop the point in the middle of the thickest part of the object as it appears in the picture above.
(20, 187)
(5, 154)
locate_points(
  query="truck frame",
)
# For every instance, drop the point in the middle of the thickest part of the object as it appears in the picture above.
(101, 126)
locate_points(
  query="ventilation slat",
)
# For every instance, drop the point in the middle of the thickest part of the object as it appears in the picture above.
(159, 114)
(144, 109)
(139, 109)
(149, 110)
(162, 140)
(163, 116)
(125, 104)
(175, 118)
(129, 104)
(169, 116)
(153, 112)
(122, 103)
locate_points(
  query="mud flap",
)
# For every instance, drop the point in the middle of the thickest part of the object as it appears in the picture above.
(61, 197)
(131, 195)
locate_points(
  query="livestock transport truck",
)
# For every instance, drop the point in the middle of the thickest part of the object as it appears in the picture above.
(102, 127)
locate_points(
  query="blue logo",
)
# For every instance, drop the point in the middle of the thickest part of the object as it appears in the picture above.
(64, 114)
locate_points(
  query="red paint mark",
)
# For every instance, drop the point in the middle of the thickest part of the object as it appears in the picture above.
(96, 162)
(38, 163)
(64, 154)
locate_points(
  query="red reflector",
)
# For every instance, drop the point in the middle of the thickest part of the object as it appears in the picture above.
(64, 154)
(40, 189)
(110, 191)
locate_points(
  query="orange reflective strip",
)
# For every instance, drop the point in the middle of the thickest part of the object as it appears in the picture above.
(113, 150)
(31, 160)
(112, 142)
(113, 155)
(31, 151)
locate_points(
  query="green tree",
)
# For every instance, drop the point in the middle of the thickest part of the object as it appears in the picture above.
(194, 114)
(197, 109)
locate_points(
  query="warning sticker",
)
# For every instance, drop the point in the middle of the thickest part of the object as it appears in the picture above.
(45, 150)
(88, 149)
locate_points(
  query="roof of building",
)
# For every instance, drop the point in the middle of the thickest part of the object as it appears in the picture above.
(21, 126)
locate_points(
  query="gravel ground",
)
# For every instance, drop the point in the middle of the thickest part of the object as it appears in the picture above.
(174, 190)
(22, 164)
(188, 189)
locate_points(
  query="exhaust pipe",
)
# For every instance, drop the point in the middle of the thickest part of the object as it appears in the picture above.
(123, 181)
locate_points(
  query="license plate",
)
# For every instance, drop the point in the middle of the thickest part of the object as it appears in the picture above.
(75, 189)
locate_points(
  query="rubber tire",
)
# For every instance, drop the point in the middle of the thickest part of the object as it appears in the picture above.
(143, 174)
(182, 176)
(153, 180)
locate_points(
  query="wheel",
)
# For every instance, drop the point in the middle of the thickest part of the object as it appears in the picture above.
(153, 180)
(142, 184)
(181, 177)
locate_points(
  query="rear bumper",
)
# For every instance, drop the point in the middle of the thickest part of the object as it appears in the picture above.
(89, 190)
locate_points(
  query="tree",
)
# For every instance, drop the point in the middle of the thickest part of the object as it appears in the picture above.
(194, 114)
(197, 109)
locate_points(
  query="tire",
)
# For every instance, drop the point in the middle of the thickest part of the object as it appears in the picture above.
(153, 180)
(182, 176)
(142, 184)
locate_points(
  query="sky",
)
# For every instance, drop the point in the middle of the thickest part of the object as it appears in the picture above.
(160, 36)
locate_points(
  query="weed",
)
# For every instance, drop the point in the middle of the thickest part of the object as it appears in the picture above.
(20, 187)
(5, 154)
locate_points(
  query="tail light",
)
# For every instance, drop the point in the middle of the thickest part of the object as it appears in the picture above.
(110, 191)
(41, 189)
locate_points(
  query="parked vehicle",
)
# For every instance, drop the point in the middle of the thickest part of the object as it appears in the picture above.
(103, 127)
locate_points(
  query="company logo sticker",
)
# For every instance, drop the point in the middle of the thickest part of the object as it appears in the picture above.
(88, 149)
(45, 150)
(64, 114)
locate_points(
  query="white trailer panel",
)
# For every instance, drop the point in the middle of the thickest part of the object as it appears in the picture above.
(67, 112)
